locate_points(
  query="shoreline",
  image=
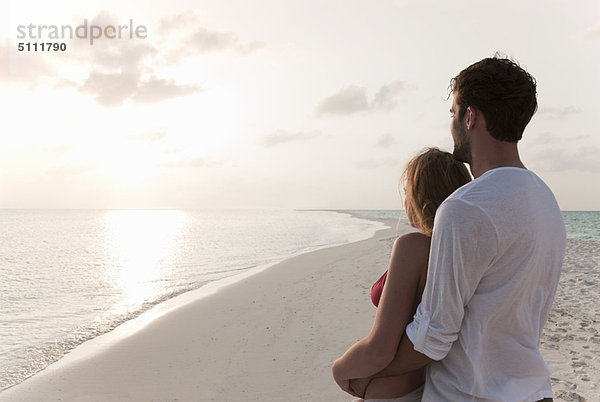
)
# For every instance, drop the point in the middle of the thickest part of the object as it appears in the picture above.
(84, 373)
(161, 305)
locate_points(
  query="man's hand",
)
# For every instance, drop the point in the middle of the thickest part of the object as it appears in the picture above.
(359, 386)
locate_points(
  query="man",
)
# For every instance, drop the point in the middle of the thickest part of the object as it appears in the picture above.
(496, 253)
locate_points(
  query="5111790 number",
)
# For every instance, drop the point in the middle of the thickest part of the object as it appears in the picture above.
(41, 47)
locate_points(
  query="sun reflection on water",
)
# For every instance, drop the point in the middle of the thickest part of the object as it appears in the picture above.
(141, 247)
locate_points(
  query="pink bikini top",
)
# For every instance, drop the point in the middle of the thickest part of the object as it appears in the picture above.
(377, 289)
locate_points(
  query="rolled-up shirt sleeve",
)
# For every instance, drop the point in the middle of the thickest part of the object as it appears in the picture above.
(463, 244)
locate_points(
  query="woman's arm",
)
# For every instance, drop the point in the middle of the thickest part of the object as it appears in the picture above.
(408, 265)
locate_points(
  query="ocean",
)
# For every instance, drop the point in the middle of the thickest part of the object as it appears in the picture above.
(67, 276)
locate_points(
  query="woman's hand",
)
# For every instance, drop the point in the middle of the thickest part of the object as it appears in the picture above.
(343, 383)
(359, 386)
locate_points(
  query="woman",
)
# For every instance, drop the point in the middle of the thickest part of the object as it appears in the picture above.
(429, 179)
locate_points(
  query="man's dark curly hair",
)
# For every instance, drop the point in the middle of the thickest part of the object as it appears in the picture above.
(502, 91)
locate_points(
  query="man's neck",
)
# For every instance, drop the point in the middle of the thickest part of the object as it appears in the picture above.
(502, 155)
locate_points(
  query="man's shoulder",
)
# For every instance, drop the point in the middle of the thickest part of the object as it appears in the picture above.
(496, 188)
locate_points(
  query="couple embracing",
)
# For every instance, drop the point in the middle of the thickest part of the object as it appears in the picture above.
(463, 303)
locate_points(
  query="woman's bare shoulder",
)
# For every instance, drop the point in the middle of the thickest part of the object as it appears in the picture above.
(412, 241)
(411, 250)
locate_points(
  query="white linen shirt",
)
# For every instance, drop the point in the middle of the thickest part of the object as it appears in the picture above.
(496, 254)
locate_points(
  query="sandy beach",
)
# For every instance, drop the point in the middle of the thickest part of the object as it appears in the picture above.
(269, 337)
(273, 335)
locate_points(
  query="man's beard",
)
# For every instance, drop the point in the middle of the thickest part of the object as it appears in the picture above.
(462, 145)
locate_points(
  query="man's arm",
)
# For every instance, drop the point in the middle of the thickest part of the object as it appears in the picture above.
(461, 247)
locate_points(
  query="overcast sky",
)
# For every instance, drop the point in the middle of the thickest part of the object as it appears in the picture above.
(278, 103)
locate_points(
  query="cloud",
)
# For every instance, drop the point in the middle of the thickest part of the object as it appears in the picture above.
(200, 40)
(118, 69)
(68, 170)
(110, 89)
(348, 100)
(353, 99)
(385, 141)
(283, 136)
(124, 55)
(114, 88)
(204, 41)
(120, 63)
(121, 70)
(177, 22)
(156, 90)
(196, 162)
(149, 136)
(387, 96)
(558, 113)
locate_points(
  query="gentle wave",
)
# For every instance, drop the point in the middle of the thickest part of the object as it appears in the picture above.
(68, 276)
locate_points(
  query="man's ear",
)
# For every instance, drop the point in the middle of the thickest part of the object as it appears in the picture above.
(471, 117)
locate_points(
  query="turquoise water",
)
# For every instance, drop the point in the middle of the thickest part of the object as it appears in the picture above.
(583, 225)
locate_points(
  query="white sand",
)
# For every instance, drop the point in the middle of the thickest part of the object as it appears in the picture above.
(274, 335)
(571, 339)
(270, 337)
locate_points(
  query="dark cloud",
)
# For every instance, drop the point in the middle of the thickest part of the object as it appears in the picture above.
(353, 99)
(558, 113)
(283, 136)
(385, 141)
(196, 162)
